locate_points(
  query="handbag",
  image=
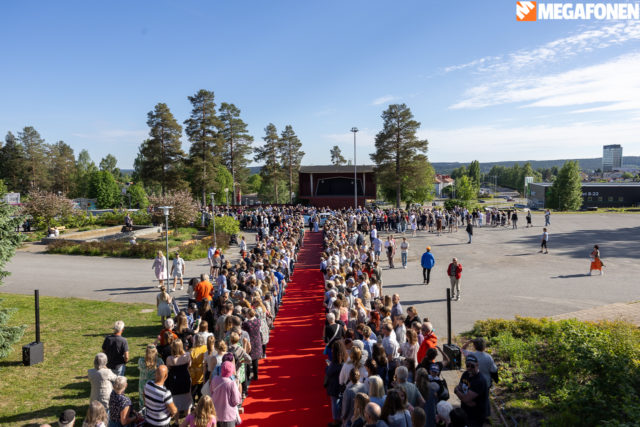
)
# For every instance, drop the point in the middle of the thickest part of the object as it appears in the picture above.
(206, 388)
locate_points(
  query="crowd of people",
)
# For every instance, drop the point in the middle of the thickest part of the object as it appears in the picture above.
(199, 369)
(384, 364)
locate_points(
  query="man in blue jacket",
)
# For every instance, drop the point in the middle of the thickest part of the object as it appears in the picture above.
(427, 262)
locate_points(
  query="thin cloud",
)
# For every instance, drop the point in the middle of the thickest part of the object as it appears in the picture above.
(556, 50)
(384, 99)
(611, 86)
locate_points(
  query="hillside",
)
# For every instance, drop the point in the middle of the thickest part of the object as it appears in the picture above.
(585, 164)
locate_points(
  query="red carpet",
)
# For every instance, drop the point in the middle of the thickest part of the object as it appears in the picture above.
(289, 391)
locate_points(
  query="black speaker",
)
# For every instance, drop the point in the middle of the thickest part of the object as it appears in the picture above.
(454, 354)
(33, 353)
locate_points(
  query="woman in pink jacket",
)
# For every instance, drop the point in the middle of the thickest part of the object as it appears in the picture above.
(226, 395)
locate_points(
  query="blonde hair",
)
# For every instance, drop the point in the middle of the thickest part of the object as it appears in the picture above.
(183, 324)
(96, 414)
(204, 411)
(361, 400)
(376, 386)
(221, 346)
(211, 343)
(177, 348)
(151, 356)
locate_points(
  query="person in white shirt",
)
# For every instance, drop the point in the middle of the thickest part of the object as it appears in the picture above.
(374, 233)
(177, 271)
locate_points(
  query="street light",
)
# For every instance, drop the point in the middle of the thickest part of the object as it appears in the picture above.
(213, 218)
(355, 174)
(165, 210)
(226, 195)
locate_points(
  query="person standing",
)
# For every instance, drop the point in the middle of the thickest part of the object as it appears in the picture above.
(469, 231)
(545, 239)
(514, 220)
(158, 399)
(473, 392)
(596, 262)
(163, 301)
(210, 255)
(427, 262)
(404, 251)
(529, 219)
(116, 347)
(454, 271)
(390, 247)
(547, 217)
(160, 268)
(177, 271)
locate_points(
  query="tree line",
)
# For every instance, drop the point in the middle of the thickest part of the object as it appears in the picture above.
(219, 152)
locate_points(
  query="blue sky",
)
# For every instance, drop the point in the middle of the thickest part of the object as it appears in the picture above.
(483, 85)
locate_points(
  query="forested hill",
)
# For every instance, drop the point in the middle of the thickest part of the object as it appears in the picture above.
(585, 164)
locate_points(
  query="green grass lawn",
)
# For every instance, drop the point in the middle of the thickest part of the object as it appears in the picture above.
(72, 331)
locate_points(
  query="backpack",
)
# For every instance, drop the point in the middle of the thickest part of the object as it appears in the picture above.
(443, 391)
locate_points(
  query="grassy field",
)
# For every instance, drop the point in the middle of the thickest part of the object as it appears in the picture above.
(72, 331)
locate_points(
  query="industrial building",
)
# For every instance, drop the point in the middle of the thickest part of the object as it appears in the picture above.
(620, 194)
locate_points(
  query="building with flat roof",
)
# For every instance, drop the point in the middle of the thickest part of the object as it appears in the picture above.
(594, 194)
(611, 157)
(333, 185)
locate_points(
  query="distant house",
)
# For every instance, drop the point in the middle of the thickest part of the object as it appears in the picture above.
(333, 185)
(441, 182)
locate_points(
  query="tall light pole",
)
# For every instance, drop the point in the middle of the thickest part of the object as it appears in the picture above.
(355, 169)
(213, 218)
(226, 195)
(165, 210)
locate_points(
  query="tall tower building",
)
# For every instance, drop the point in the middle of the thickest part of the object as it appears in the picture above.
(611, 157)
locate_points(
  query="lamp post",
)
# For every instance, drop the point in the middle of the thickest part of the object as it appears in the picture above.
(165, 210)
(226, 195)
(355, 174)
(213, 218)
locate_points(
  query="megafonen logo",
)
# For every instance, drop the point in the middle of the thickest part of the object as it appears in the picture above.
(537, 11)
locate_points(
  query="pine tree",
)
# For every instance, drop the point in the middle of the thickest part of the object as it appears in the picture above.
(336, 156)
(269, 155)
(237, 143)
(9, 241)
(12, 164)
(206, 147)
(290, 154)
(62, 167)
(397, 148)
(35, 151)
(161, 154)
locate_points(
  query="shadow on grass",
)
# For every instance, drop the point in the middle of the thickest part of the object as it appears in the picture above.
(8, 363)
(51, 412)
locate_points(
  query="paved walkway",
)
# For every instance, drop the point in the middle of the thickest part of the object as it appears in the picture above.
(629, 312)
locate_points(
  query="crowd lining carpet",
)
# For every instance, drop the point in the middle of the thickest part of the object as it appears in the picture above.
(289, 391)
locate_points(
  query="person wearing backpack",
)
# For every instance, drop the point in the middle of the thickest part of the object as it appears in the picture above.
(434, 377)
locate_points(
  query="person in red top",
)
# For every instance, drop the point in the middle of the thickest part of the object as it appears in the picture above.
(203, 289)
(455, 272)
(430, 340)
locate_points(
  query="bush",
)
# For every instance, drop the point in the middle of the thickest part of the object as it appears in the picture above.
(226, 225)
(581, 373)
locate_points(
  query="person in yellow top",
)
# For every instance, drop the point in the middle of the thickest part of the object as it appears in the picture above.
(196, 370)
